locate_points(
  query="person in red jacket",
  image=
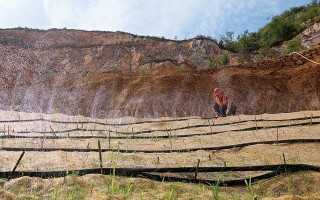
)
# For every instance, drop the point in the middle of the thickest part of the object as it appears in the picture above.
(223, 106)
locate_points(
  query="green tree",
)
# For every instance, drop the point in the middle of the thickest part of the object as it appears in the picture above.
(227, 41)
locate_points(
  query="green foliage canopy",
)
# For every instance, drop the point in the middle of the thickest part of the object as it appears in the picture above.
(280, 28)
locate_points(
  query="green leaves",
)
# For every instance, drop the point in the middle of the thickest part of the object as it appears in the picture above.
(280, 28)
(294, 46)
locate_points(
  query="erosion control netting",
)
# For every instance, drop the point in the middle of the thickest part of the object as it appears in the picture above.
(104, 131)
(133, 134)
(165, 151)
(147, 173)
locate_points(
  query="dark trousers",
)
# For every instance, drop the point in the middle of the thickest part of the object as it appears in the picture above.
(222, 110)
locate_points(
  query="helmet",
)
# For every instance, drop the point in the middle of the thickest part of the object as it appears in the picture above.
(217, 91)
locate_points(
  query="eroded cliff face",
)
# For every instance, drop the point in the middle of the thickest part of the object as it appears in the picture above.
(108, 74)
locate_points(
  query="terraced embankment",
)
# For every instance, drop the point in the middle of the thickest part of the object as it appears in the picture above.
(166, 149)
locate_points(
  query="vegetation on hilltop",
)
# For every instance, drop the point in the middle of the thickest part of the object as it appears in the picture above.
(282, 27)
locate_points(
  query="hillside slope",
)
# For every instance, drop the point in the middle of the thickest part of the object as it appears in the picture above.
(118, 74)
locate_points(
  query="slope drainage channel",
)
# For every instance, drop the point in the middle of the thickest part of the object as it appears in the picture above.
(290, 141)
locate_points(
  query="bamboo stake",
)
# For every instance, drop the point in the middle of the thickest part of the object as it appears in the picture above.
(311, 119)
(54, 133)
(277, 135)
(132, 132)
(210, 127)
(100, 156)
(109, 139)
(284, 158)
(18, 162)
(209, 157)
(255, 120)
(170, 137)
(196, 172)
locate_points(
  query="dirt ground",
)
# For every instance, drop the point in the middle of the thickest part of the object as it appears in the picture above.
(261, 154)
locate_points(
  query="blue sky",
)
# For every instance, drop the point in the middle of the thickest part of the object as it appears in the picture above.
(168, 18)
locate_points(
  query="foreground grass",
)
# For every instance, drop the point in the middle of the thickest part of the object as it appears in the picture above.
(97, 186)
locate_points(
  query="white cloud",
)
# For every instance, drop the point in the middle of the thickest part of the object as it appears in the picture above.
(184, 18)
(14, 13)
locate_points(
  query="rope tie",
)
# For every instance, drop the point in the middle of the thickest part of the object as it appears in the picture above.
(306, 58)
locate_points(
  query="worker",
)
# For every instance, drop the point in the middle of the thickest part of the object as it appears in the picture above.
(223, 106)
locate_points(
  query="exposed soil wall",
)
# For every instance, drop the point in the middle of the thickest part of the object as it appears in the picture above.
(112, 75)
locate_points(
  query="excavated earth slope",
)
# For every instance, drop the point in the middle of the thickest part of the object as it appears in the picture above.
(109, 74)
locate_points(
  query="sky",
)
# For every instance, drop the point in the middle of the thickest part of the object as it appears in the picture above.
(172, 19)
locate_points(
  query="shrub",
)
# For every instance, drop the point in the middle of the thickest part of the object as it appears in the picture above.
(265, 52)
(157, 58)
(223, 59)
(83, 72)
(294, 45)
(180, 68)
(114, 69)
(144, 69)
(199, 59)
(49, 76)
(208, 37)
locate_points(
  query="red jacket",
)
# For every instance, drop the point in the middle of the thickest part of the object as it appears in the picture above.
(224, 101)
